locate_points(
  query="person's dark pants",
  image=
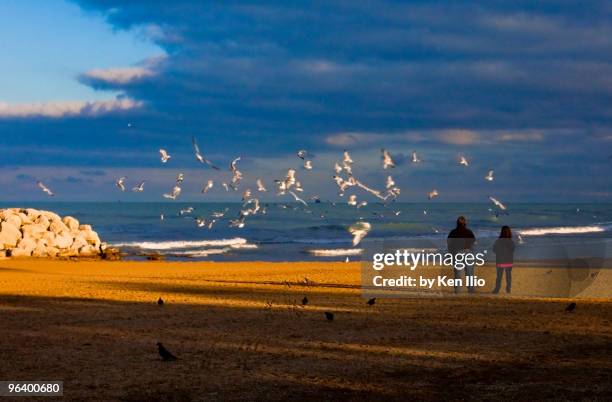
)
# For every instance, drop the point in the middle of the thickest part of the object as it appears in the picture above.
(498, 279)
(469, 271)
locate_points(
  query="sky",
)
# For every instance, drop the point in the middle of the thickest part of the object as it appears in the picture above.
(91, 89)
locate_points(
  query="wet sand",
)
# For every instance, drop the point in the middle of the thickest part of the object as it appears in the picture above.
(241, 333)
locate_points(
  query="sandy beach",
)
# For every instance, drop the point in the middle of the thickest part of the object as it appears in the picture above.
(241, 333)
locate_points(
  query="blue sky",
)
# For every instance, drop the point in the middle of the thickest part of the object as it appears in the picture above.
(520, 87)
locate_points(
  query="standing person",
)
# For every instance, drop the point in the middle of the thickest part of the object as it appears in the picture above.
(504, 258)
(461, 240)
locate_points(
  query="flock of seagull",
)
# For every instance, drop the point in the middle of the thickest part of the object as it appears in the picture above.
(290, 185)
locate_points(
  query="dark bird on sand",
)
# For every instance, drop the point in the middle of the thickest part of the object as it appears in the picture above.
(372, 301)
(570, 308)
(304, 301)
(329, 316)
(165, 353)
(160, 302)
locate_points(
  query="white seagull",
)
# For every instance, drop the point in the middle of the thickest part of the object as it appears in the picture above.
(463, 161)
(387, 161)
(415, 157)
(176, 191)
(139, 188)
(199, 155)
(298, 199)
(120, 183)
(432, 194)
(44, 188)
(308, 165)
(498, 203)
(359, 230)
(208, 186)
(163, 155)
(489, 176)
(260, 186)
(301, 154)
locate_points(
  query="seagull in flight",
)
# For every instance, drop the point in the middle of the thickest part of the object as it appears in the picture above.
(179, 178)
(489, 176)
(208, 186)
(346, 158)
(199, 155)
(359, 230)
(415, 157)
(387, 161)
(432, 194)
(176, 191)
(352, 200)
(139, 188)
(498, 203)
(120, 183)
(298, 199)
(463, 161)
(260, 186)
(44, 188)
(163, 155)
(236, 174)
(308, 165)
(301, 154)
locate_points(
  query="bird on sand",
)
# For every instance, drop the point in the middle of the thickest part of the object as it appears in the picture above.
(120, 183)
(570, 308)
(199, 155)
(163, 155)
(371, 302)
(160, 302)
(165, 353)
(329, 316)
(44, 188)
(489, 176)
(304, 301)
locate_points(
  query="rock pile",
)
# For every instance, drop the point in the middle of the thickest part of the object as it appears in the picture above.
(33, 233)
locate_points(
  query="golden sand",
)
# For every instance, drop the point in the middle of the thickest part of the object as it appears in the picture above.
(241, 332)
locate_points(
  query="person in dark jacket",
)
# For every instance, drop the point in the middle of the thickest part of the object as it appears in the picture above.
(504, 258)
(461, 240)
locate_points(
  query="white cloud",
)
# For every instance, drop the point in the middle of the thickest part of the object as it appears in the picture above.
(121, 75)
(527, 136)
(57, 109)
(458, 137)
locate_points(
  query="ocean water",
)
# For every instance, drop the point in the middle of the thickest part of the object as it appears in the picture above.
(291, 232)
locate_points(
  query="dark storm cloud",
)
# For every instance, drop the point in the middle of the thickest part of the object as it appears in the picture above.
(254, 71)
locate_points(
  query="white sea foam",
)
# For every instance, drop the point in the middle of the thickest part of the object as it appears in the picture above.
(236, 242)
(335, 252)
(202, 253)
(561, 230)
